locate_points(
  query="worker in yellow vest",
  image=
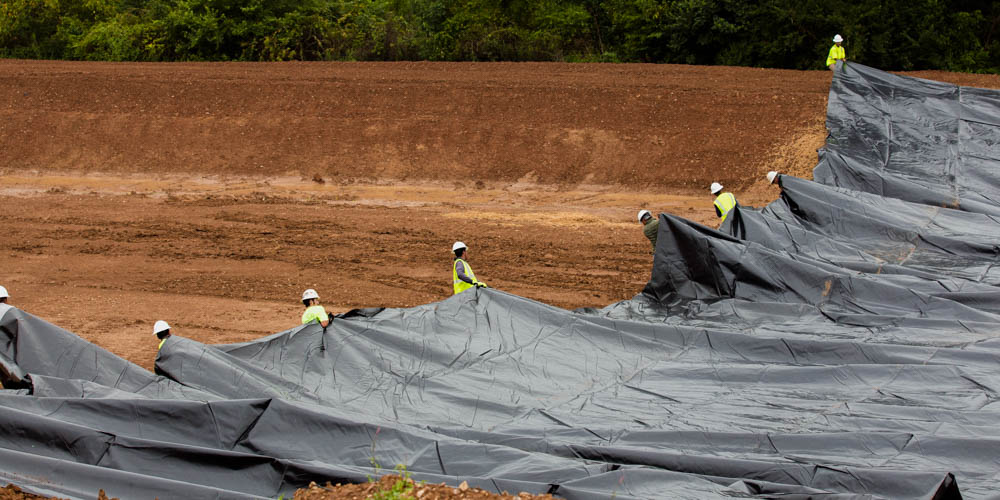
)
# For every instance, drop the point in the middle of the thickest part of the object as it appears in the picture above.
(836, 53)
(314, 311)
(162, 331)
(724, 202)
(462, 277)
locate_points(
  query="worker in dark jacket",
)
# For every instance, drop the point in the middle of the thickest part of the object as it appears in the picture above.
(462, 277)
(650, 226)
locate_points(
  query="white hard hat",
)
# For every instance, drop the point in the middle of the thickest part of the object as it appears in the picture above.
(837, 39)
(457, 245)
(309, 294)
(716, 187)
(643, 213)
(160, 326)
(3, 293)
(771, 176)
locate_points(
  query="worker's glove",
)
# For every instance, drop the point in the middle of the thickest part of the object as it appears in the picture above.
(329, 317)
(480, 284)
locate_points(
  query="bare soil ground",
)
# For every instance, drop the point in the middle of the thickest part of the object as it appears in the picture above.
(210, 195)
(389, 485)
(12, 492)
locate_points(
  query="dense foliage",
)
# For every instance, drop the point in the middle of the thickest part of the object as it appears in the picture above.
(890, 34)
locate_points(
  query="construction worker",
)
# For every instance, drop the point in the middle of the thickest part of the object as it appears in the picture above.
(724, 202)
(650, 226)
(836, 53)
(462, 277)
(773, 176)
(314, 311)
(162, 331)
(4, 306)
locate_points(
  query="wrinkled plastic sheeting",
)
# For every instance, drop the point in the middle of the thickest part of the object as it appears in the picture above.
(538, 400)
(47, 359)
(917, 140)
(838, 343)
(877, 235)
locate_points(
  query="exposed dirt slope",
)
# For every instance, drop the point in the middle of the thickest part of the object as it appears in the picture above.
(638, 126)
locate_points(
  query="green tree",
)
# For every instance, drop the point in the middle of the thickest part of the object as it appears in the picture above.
(891, 34)
(29, 28)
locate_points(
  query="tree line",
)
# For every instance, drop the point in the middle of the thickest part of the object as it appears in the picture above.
(890, 34)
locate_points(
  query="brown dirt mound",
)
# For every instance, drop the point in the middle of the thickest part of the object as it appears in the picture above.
(393, 487)
(12, 492)
(796, 157)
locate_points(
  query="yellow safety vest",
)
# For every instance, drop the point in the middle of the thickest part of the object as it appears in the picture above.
(725, 202)
(835, 54)
(317, 312)
(461, 286)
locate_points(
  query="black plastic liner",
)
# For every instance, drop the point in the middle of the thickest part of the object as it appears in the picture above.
(916, 140)
(837, 344)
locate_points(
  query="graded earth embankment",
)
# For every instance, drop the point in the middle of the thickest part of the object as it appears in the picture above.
(639, 126)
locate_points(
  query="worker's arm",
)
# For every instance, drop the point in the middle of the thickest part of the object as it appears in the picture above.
(322, 317)
(325, 318)
(460, 271)
(717, 212)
